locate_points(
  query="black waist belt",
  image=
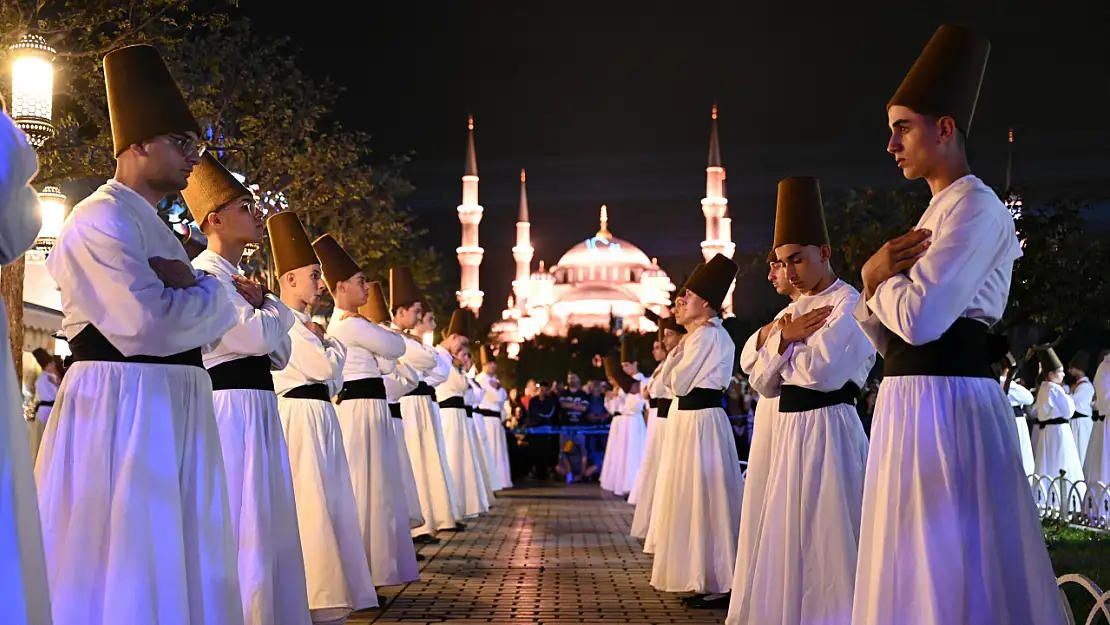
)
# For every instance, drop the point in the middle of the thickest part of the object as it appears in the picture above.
(365, 388)
(91, 345)
(250, 373)
(1097, 416)
(420, 390)
(40, 404)
(395, 411)
(702, 398)
(1019, 412)
(309, 391)
(1080, 415)
(453, 402)
(653, 402)
(470, 412)
(800, 399)
(488, 413)
(965, 350)
(1056, 421)
(664, 407)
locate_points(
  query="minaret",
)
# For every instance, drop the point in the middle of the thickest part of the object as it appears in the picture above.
(603, 231)
(470, 215)
(522, 251)
(1010, 196)
(718, 225)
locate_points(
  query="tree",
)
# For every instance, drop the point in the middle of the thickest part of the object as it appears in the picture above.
(861, 220)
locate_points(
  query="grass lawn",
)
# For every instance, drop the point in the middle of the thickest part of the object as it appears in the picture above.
(1079, 551)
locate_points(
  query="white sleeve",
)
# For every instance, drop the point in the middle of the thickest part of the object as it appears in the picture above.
(20, 215)
(695, 354)
(766, 373)
(750, 352)
(419, 356)
(870, 325)
(371, 337)
(257, 330)
(319, 361)
(828, 359)
(1061, 402)
(1020, 395)
(130, 305)
(438, 375)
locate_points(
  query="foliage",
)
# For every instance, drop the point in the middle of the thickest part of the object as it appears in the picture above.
(551, 357)
(861, 220)
(1075, 550)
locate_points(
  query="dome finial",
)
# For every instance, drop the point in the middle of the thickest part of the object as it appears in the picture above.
(714, 110)
(604, 231)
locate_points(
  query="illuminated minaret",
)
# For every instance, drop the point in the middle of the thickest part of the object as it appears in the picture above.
(522, 251)
(718, 225)
(470, 215)
(1010, 196)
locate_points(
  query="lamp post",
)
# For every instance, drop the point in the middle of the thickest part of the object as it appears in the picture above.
(32, 111)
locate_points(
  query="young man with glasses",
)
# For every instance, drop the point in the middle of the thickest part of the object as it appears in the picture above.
(131, 479)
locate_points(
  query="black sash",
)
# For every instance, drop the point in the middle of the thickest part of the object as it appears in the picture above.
(40, 404)
(469, 412)
(249, 373)
(702, 398)
(488, 413)
(364, 388)
(309, 391)
(1056, 421)
(421, 389)
(800, 399)
(91, 345)
(1080, 415)
(664, 407)
(1019, 412)
(1096, 417)
(965, 350)
(453, 402)
(395, 411)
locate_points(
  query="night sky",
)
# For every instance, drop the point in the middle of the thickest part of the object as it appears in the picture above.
(608, 103)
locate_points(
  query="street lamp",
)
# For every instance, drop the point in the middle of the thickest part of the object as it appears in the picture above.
(53, 204)
(33, 88)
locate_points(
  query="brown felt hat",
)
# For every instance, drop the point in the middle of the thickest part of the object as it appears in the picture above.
(211, 187)
(144, 101)
(375, 309)
(485, 354)
(335, 263)
(402, 288)
(462, 322)
(712, 280)
(1049, 360)
(946, 77)
(628, 351)
(1081, 360)
(669, 323)
(614, 371)
(771, 258)
(289, 242)
(42, 356)
(799, 214)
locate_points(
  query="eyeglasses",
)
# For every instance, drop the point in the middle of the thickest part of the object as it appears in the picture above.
(188, 146)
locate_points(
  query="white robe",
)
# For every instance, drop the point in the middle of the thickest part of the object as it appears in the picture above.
(23, 589)
(371, 442)
(696, 514)
(424, 439)
(495, 399)
(634, 440)
(336, 568)
(473, 399)
(1096, 467)
(801, 536)
(1020, 397)
(398, 383)
(1054, 447)
(612, 464)
(259, 480)
(46, 390)
(461, 450)
(949, 533)
(1083, 394)
(132, 489)
(653, 451)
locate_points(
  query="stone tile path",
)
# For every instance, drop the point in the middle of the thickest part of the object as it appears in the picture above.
(547, 555)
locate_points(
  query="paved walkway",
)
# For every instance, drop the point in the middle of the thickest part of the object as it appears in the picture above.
(543, 555)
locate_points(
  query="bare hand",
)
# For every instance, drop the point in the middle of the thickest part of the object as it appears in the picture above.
(175, 274)
(767, 330)
(800, 328)
(251, 291)
(894, 257)
(316, 329)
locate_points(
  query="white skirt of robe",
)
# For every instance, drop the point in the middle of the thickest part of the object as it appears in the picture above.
(489, 453)
(645, 480)
(35, 429)
(635, 438)
(799, 524)
(696, 514)
(488, 477)
(424, 438)
(493, 436)
(1096, 466)
(23, 589)
(370, 440)
(263, 508)
(408, 479)
(949, 532)
(1081, 429)
(336, 568)
(462, 455)
(133, 497)
(612, 464)
(1054, 451)
(1028, 464)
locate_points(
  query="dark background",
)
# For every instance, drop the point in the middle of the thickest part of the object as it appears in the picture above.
(608, 102)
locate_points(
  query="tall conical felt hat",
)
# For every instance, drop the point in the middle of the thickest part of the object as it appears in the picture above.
(628, 351)
(402, 288)
(1049, 360)
(614, 371)
(485, 354)
(289, 242)
(375, 309)
(1081, 360)
(799, 214)
(211, 187)
(669, 323)
(335, 263)
(946, 77)
(712, 280)
(462, 322)
(144, 101)
(771, 258)
(42, 356)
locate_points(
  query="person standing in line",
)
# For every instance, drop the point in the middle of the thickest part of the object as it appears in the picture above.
(635, 429)
(336, 568)
(369, 437)
(23, 589)
(494, 411)
(1020, 399)
(144, 531)
(46, 391)
(1083, 394)
(1054, 449)
(973, 551)
(1097, 466)
(473, 399)
(259, 480)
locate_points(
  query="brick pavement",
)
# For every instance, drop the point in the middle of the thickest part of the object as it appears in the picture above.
(547, 555)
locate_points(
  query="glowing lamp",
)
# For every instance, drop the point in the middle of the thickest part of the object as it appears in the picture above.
(53, 205)
(33, 88)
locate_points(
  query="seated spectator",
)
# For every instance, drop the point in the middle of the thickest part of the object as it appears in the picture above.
(574, 465)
